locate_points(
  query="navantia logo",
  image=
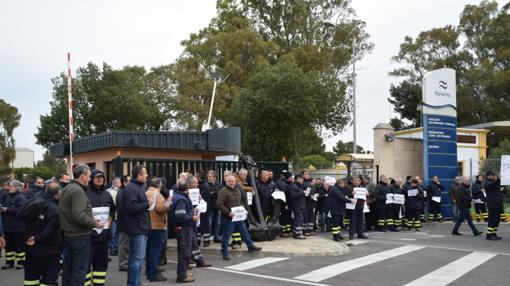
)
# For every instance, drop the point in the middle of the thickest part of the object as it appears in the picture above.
(443, 84)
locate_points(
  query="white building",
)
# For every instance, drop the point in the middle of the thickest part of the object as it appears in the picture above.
(24, 158)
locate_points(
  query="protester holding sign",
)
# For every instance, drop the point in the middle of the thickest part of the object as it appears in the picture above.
(228, 198)
(398, 202)
(494, 204)
(337, 202)
(414, 199)
(479, 198)
(103, 208)
(435, 190)
(285, 216)
(359, 196)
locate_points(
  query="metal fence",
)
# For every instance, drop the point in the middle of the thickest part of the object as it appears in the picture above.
(171, 168)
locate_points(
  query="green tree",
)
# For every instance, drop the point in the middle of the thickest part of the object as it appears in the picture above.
(398, 124)
(478, 48)
(318, 161)
(107, 99)
(345, 148)
(54, 165)
(9, 120)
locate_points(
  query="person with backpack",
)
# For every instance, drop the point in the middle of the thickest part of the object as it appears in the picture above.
(42, 237)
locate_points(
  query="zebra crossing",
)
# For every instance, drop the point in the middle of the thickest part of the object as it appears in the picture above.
(441, 269)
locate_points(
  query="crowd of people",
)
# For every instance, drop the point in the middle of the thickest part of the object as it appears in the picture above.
(71, 227)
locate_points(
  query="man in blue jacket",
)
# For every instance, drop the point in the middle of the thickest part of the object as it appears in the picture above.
(135, 214)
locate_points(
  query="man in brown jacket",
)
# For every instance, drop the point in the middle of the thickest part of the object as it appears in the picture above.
(230, 197)
(158, 216)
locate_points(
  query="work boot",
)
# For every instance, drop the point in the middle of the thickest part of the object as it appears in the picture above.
(236, 246)
(306, 234)
(203, 264)
(207, 244)
(160, 269)
(186, 280)
(491, 236)
(363, 236)
(227, 258)
(255, 248)
(336, 237)
(7, 266)
(299, 236)
(285, 234)
(158, 278)
(340, 237)
(456, 233)
(477, 233)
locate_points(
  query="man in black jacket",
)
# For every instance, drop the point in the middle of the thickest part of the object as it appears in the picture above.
(494, 204)
(414, 202)
(285, 217)
(135, 214)
(464, 199)
(297, 196)
(42, 236)
(11, 203)
(479, 198)
(384, 211)
(310, 202)
(434, 191)
(103, 207)
(357, 226)
(337, 200)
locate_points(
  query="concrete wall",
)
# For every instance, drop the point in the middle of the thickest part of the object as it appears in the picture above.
(399, 158)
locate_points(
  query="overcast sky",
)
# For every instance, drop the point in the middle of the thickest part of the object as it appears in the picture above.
(35, 36)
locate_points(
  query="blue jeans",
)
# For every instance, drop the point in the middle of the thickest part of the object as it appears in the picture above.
(325, 221)
(228, 228)
(214, 222)
(137, 245)
(76, 260)
(154, 247)
(455, 212)
(114, 241)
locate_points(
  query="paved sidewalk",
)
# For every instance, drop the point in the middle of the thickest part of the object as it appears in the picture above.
(311, 246)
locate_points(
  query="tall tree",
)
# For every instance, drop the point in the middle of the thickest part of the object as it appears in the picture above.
(108, 99)
(478, 48)
(9, 120)
(345, 148)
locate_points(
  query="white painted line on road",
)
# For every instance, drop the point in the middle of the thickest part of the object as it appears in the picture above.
(453, 271)
(356, 242)
(407, 239)
(266, 276)
(442, 247)
(256, 263)
(342, 267)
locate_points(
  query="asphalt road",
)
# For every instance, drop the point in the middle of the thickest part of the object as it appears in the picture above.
(430, 257)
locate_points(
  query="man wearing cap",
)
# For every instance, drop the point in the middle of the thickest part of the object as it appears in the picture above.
(11, 203)
(285, 217)
(103, 206)
(494, 204)
(42, 236)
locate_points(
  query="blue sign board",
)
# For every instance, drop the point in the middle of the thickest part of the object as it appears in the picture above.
(440, 153)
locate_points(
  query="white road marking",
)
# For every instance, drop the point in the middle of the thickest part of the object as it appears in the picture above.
(342, 267)
(453, 271)
(407, 239)
(266, 277)
(255, 263)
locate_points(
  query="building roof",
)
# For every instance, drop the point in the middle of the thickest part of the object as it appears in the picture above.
(501, 127)
(222, 140)
(352, 157)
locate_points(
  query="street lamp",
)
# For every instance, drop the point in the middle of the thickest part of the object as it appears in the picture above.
(335, 25)
(208, 124)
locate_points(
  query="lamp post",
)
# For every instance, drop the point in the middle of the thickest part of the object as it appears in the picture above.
(335, 25)
(216, 82)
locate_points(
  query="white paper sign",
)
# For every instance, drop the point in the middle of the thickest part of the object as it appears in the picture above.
(412, 193)
(194, 196)
(505, 170)
(360, 193)
(202, 206)
(240, 214)
(249, 196)
(278, 195)
(436, 199)
(315, 197)
(331, 181)
(389, 199)
(399, 199)
(329, 214)
(103, 214)
(307, 192)
(478, 201)
(424, 194)
(351, 205)
(366, 209)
